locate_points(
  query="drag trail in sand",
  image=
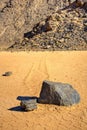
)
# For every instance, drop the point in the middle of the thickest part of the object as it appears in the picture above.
(29, 70)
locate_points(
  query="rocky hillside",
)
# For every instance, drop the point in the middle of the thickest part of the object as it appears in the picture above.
(42, 25)
(19, 16)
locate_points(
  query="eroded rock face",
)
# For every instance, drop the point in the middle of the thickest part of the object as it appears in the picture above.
(63, 30)
(58, 93)
(19, 16)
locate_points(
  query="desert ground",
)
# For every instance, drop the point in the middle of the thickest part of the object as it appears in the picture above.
(29, 69)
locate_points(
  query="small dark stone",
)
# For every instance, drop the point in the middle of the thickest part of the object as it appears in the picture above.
(58, 93)
(29, 105)
(9, 73)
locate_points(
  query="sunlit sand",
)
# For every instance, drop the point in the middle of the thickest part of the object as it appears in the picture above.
(29, 69)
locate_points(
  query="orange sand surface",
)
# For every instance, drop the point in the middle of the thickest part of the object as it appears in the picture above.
(29, 70)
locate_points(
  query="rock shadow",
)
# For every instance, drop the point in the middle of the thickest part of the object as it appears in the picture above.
(17, 109)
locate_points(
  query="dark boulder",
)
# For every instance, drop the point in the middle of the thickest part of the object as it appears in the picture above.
(29, 105)
(58, 93)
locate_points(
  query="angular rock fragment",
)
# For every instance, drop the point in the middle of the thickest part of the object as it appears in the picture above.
(58, 93)
(29, 105)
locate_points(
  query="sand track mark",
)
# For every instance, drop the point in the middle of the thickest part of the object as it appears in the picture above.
(37, 72)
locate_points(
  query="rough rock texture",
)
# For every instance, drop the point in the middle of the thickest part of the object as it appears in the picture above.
(81, 2)
(19, 16)
(29, 105)
(63, 30)
(58, 93)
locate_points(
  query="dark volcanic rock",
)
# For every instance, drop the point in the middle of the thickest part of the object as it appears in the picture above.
(58, 93)
(29, 105)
